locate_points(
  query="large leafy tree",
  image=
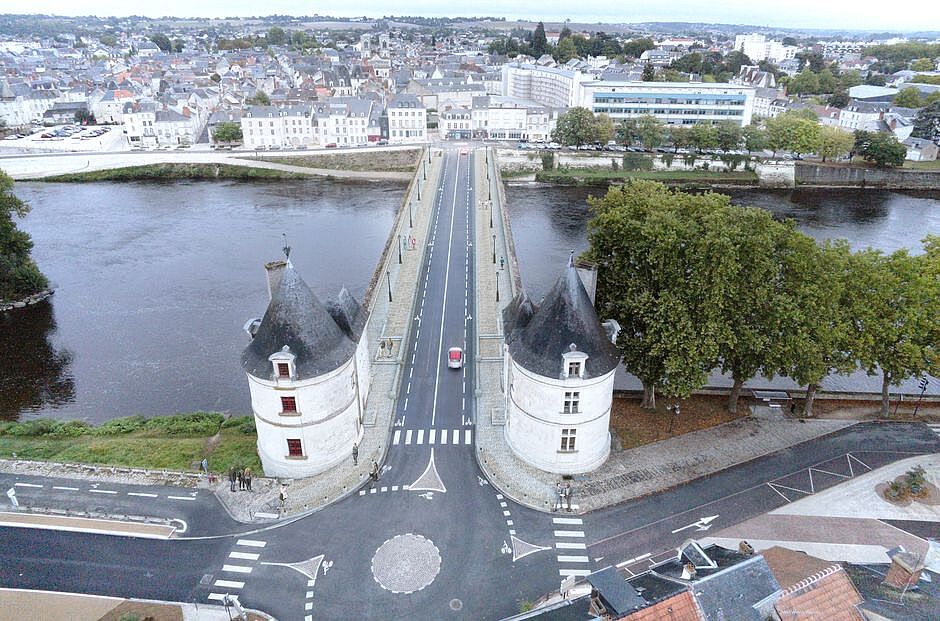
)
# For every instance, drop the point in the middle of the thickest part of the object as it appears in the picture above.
(627, 132)
(927, 122)
(727, 135)
(793, 132)
(880, 149)
(703, 136)
(755, 138)
(227, 132)
(680, 136)
(896, 310)
(19, 276)
(539, 41)
(650, 130)
(834, 142)
(163, 42)
(908, 98)
(657, 277)
(575, 127)
(603, 128)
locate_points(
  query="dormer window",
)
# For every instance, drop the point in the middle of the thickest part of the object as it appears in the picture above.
(574, 368)
(573, 362)
(282, 365)
(283, 369)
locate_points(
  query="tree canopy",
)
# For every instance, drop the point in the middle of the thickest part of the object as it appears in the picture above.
(879, 148)
(227, 132)
(927, 122)
(19, 276)
(579, 126)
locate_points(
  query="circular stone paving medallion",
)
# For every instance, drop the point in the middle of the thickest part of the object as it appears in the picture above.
(406, 563)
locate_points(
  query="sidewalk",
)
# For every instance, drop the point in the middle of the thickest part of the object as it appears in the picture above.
(19, 604)
(626, 474)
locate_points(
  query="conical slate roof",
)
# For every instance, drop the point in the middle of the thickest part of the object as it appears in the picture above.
(539, 335)
(295, 317)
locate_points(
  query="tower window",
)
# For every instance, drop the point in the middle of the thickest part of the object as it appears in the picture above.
(567, 440)
(288, 404)
(283, 369)
(574, 368)
(293, 448)
(572, 401)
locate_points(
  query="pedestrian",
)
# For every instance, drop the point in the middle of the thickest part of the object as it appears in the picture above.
(355, 452)
(247, 477)
(556, 504)
(282, 498)
(231, 478)
(567, 494)
(241, 478)
(502, 263)
(374, 473)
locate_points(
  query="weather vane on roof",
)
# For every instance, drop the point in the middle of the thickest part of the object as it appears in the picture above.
(286, 248)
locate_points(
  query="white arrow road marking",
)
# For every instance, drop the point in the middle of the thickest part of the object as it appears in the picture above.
(702, 524)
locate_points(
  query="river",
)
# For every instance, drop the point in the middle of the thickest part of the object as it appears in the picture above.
(155, 280)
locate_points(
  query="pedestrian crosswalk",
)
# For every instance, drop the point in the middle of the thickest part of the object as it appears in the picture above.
(569, 542)
(434, 437)
(240, 563)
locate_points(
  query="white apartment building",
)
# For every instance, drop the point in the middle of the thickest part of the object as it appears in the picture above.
(675, 103)
(549, 86)
(271, 126)
(863, 115)
(344, 122)
(144, 125)
(407, 120)
(758, 48)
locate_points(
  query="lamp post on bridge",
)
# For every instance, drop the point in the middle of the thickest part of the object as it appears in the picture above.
(411, 216)
(497, 285)
(490, 203)
(400, 237)
(388, 276)
(494, 248)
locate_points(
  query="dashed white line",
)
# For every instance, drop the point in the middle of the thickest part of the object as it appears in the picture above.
(141, 494)
(68, 489)
(563, 520)
(181, 498)
(102, 491)
(245, 556)
(251, 543)
(574, 572)
(27, 485)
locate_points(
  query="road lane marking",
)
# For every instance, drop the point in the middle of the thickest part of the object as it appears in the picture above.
(573, 572)
(456, 438)
(397, 437)
(466, 436)
(420, 437)
(266, 516)
(67, 489)
(238, 569)
(569, 533)
(181, 498)
(408, 437)
(562, 520)
(231, 584)
(245, 556)
(443, 436)
(251, 543)
(573, 559)
(102, 491)
(141, 494)
(440, 342)
(570, 545)
(27, 485)
(431, 436)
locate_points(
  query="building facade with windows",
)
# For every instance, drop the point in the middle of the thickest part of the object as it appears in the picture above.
(558, 376)
(674, 103)
(549, 86)
(308, 374)
(407, 120)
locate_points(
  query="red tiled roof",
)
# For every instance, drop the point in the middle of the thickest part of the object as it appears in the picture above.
(828, 595)
(680, 607)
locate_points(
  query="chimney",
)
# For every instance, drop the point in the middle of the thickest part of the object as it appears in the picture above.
(688, 571)
(274, 269)
(904, 571)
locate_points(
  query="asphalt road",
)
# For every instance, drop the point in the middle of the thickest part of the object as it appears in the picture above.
(434, 539)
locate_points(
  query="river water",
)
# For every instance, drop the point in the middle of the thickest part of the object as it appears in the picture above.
(549, 222)
(155, 280)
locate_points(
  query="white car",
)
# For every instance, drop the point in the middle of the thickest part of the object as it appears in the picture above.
(454, 357)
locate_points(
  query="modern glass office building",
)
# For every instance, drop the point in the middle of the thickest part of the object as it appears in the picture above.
(675, 103)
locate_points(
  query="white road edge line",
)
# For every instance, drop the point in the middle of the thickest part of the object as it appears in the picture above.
(440, 342)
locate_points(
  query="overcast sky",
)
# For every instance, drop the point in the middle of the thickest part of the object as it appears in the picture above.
(831, 14)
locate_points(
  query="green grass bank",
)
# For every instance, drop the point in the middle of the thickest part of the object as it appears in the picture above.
(669, 177)
(177, 442)
(367, 161)
(158, 172)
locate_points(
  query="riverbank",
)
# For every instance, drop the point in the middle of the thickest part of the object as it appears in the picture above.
(669, 177)
(178, 442)
(170, 171)
(386, 161)
(29, 300)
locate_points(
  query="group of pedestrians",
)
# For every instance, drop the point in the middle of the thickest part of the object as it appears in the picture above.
(239, 475)
(563, 495)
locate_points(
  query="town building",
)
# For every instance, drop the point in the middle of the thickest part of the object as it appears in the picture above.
(308, 374)
(407, 120)
(549, 86)
(757, 47)
(675, 103)
(558, 372)
(920, 150)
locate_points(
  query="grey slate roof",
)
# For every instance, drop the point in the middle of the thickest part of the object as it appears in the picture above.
(733, 593)
(539, 335)
(618, 595)
(322, 337)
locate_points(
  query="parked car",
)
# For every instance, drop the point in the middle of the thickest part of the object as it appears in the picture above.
(454, 357)
(331, 145)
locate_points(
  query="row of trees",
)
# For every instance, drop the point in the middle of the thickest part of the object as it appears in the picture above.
(19, 276)
(698, 284)
(535, 43)
(798, 132)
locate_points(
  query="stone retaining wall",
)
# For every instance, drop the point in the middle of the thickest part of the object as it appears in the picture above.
(27, 301)
(863, 177)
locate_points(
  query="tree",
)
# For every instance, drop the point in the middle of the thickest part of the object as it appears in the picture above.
(564, 34)
(603, 129)
(227, 132)
(651, 131)
(565, 51)
(849, 79)
(834, 142)
(927, 122)
(727, 135)
(178, 45)
(839, 99)
(880, 149)
(635, 47)
(703, 136)
(875, 79)
(804, 83)
(922, 64)
(19, 276)
(649, 73)
(627, 131)
(681, 136)
(163, 42)
(275, 36)
(575, 127)
(755, 138)
(539, 41)
(827, 82)
(896, 314)
(84, 117)
(908, 98)
(793, 132)
(655, 277)
(108, 39)
(260, 98)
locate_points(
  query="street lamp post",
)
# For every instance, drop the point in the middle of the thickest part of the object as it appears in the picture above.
(675, 414)
(497, 285)
(490, 204)
(411, 217)
(494, 248)
(399, 249)
(388, 276)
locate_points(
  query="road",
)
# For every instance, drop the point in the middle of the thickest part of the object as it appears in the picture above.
(433, 538)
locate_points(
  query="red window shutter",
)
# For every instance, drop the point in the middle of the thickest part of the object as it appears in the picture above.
(283, 369)
(288, 404)
(293, 448)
